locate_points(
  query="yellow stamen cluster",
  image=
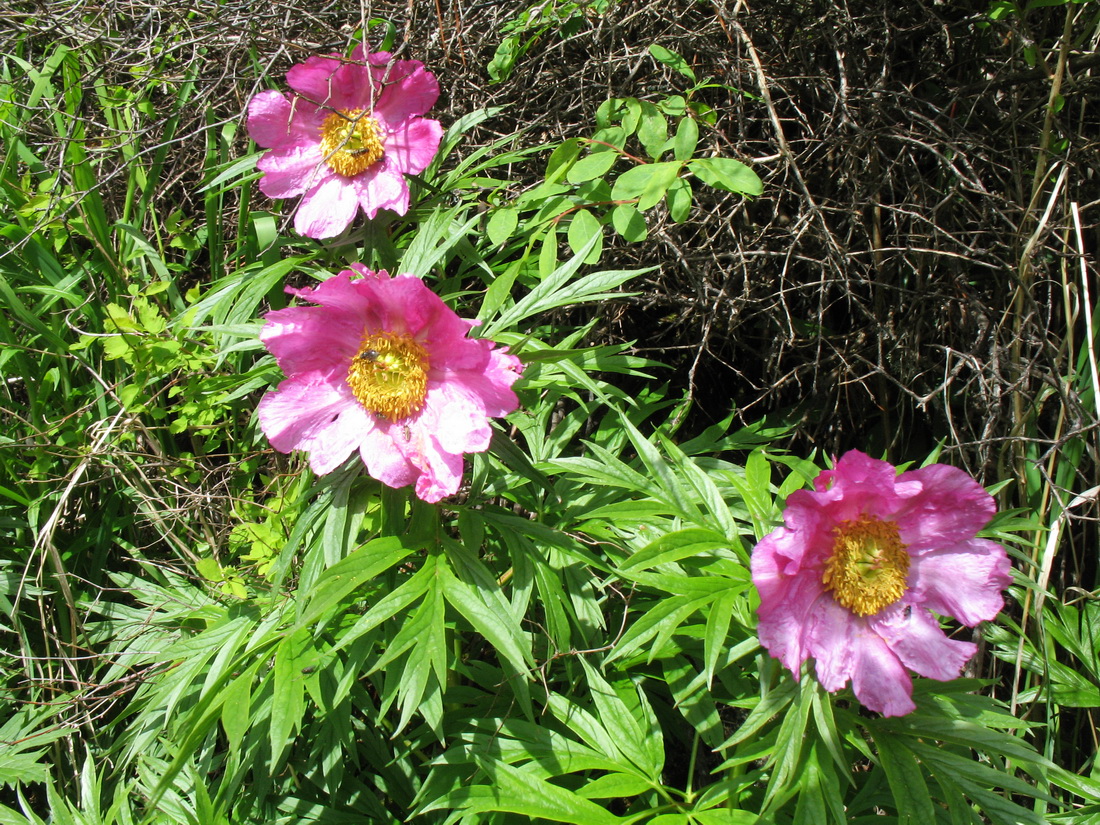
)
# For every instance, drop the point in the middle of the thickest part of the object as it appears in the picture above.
(389, 375)
(867, 568)
(351, 142)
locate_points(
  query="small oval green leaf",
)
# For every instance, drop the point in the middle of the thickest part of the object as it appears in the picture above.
(678, 199)
(593, 166)
(629, 223)
(672, 60)
(501, 224)
(728, 174)
(686, 139)
(582, 229)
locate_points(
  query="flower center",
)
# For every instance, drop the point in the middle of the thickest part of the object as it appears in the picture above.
(350, 141)
(866, 570)
(389, 375)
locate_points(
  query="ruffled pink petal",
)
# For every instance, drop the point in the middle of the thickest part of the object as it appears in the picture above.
(407, 96)
(332, 82)
(412, 144)
(292, 170)
(916, 639)
(347, 293)
(787, 603)
(964, 582)
(327, 209)
(309, 413)
(381, 187)
(276, 122)
(853, 470)
(492, 385)
(455, 419)
(383, 458)
(808, 534)
(879, 680)
(833, 638)
(387, 70)
(305, 340)
(951, 507)
(440, 471)
(414, 310)
(437, 473)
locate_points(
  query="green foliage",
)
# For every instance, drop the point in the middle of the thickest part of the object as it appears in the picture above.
(643, 154)
(208, 634)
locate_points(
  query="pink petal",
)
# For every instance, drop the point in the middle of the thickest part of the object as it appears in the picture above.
(856, 469)
(292, 170)
(347, 292)
(785, 615)
(492, 385)
(381, 187)
(387, 70)
(308, 413)
(964, 581)
(332, 82)
(833, 638)
(951, 507)
(441, 471)
(412, 144)
(455, 419)
(383, 459)
(430, 321)
(787, 601)
(810, 525)
(916, 639)
(409, 96)
(305, 340)
(879, 680)
(438, 473)
(275, 122)
(327, 209)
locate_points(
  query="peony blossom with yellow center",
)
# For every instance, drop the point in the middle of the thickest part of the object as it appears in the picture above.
(862, 565)
(381, 367)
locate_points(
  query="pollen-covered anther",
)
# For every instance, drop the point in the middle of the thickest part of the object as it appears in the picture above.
(351, 141)
(389, 375)
(867, 568)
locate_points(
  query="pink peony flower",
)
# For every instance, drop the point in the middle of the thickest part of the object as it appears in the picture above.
(346, 137)
(383, 366)
(862, 561)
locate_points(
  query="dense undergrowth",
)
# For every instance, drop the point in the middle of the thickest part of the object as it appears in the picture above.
(727, 247)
